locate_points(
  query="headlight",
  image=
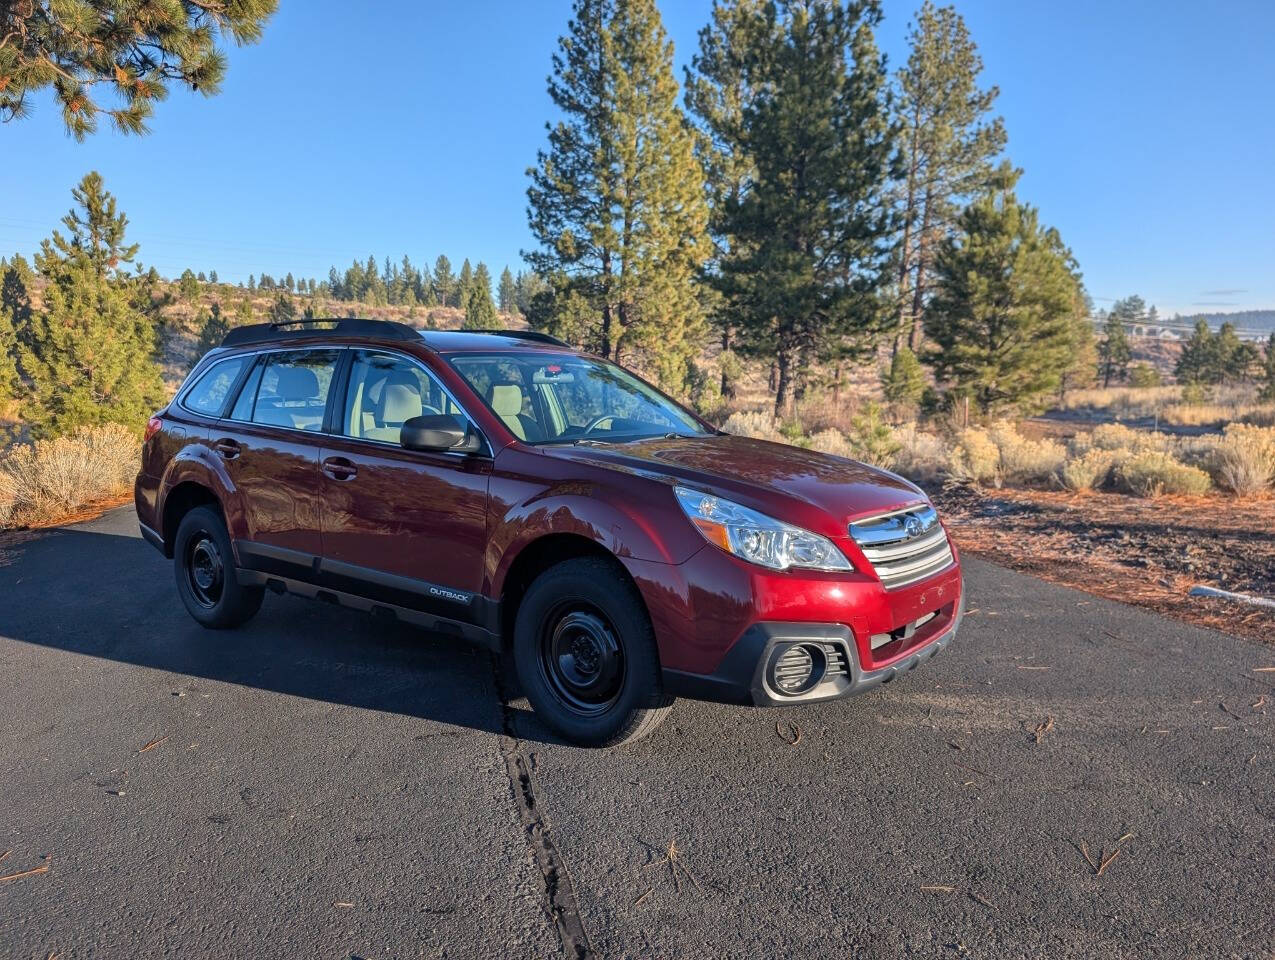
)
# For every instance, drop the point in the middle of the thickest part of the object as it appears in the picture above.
(757, 538)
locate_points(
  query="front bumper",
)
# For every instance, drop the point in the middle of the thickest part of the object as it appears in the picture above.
(743, 675)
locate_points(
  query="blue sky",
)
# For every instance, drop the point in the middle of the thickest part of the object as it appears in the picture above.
(1146, 131)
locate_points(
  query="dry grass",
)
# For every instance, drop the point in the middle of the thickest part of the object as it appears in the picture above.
(51, 479)
(1123, 401)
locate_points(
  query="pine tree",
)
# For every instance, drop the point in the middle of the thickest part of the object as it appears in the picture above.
(508, 292)
(252, 284)
(1082, 366)
(1002, 320)
(444, 281)
(811, 236)
(1267, 394)
(202, 277)
(1198, 361)
(89, 357)
(616, 201)
(949, 147)
(482, 277)
(289, 283)
(905, 381)
(1115, 351)
(212, 276)
(283, 310)
(464, 284)
(188, 286)
(213, 329)
(480, 312)
(15, 314)
(16, 283)
(133, 49)
(717, 87)
(243, 313)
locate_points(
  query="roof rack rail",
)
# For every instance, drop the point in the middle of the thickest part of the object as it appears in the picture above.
(310, 329)
(534, 336)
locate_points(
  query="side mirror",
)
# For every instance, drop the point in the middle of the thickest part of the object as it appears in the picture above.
(437, 433)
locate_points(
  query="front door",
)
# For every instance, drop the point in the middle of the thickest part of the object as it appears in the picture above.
(270, 446)
(403, 526)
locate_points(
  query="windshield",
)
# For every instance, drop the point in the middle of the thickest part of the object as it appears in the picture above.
(544, 398)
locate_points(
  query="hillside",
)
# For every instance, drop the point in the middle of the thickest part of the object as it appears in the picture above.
(1255, 320)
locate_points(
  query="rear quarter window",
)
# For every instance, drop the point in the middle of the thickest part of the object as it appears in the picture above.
(209, 393)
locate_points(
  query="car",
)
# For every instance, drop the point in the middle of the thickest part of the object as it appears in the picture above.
(501, 487)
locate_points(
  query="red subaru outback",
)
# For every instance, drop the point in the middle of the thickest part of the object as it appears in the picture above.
(502, 487)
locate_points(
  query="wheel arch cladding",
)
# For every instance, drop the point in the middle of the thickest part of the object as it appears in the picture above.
(541, 554)
(178, 502)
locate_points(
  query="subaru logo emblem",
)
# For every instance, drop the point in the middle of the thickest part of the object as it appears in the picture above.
(913, 526)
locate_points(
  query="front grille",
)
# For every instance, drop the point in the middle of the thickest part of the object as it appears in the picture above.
(905, 546)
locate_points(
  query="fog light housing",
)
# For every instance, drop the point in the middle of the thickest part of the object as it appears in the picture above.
(796, 668)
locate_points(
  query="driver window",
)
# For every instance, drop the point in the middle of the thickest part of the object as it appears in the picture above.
(385, 391)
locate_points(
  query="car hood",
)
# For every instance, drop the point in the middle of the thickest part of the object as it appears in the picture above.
(772, 477)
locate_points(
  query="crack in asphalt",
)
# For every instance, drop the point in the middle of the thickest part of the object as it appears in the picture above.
(559, 895)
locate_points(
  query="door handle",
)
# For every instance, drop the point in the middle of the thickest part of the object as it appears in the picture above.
(229, 449)
(339, 468)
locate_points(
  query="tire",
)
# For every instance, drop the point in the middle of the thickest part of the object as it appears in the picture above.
(204, 565)
(586, 656)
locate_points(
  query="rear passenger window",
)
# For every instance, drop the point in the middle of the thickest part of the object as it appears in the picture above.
(385, 392)
(292, 390)
(210, 391)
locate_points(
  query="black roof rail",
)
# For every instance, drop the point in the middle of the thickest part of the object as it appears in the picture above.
(534, 336)
(321, 327)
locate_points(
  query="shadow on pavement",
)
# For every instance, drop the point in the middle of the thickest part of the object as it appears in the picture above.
(109, 595)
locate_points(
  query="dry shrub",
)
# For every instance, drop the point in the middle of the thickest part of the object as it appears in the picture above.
(1244, 461)
(1116, 436)
(753, 423)
(833, 442)
(1090, 469)
(1154, 474)
(1023, 460)
(51, 478)
(976, 457)
(8, 497)
(1263, 416)
(923, 457)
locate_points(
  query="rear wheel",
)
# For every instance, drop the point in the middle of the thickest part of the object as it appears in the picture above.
(586, 655)
(205, 570)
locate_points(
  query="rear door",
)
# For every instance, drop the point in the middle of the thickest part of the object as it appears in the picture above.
(270, 445)
(404, 526)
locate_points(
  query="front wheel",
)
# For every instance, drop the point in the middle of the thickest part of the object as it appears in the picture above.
(586, 655)
(205, 569)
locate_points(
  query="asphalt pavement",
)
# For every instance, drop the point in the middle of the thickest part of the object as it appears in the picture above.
(1074, 778)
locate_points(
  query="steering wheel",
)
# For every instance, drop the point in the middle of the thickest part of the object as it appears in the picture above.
(597, 422)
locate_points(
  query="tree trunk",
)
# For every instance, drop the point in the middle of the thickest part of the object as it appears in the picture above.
(836, 385)
(606, 305)
(772, 381)
(905, 259)
(783, 385)
(923, 254)
(728, 388)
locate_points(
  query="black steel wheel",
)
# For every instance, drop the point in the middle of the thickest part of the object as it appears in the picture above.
(586, 655)
(581, 658)
(204, 564)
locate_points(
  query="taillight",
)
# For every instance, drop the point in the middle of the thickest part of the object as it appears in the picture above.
(153, 426)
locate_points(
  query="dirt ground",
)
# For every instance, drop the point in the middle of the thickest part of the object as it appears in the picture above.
(1145, 552)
